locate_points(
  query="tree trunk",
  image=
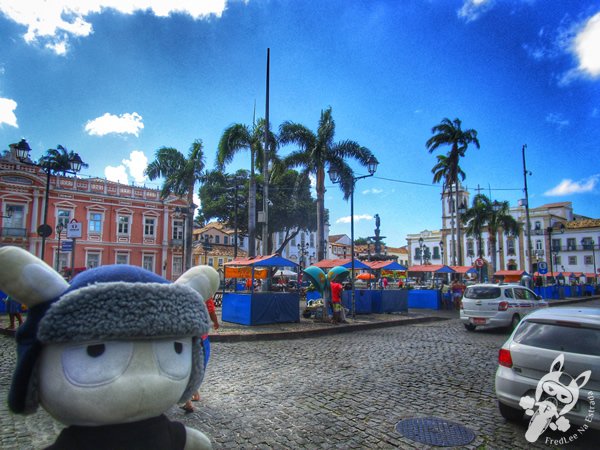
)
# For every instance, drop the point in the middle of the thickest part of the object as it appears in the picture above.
(453, 241)
(458, 236)
(320, 214)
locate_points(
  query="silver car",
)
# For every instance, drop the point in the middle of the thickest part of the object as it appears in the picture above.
(549, 371)
(497, 305)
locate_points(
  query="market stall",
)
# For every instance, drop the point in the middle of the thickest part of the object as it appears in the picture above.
(261, 306)
(427, 297)
(388, 300)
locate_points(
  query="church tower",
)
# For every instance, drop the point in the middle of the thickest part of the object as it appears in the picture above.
(452, 230)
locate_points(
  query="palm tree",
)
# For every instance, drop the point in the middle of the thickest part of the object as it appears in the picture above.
(494, 216)
(59, 160)
(450, 133)
(180, 177)
(239, 137)
(446, 172)
(316, 151)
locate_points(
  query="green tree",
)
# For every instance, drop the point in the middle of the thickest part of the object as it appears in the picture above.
(496, 217)
(475, 220)
(316, 152)
(59, 160)
(236, 138)
(180, 176)
(450, 133)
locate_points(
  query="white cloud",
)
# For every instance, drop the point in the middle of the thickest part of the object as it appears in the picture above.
(557, 119)
(53, 23)
(567, 186)
(587, 47)
(132, 167)
(356, 218)
(472, 9)
(109, 123)
(136, 164)
(7, 112)
(117, 174)
(372, 191)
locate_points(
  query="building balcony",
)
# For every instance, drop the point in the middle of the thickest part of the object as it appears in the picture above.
(7, 232)
(176, 243)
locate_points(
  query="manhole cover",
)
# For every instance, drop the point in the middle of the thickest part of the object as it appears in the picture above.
(434, 431)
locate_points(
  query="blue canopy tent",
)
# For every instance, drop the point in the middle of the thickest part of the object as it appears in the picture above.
(265, 307)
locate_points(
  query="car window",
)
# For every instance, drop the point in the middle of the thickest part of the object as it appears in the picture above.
(562, 338)
(520, 294)
(508, 293)
(482, 292)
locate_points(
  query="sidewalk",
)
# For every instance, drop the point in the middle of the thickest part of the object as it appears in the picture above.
(306, 328)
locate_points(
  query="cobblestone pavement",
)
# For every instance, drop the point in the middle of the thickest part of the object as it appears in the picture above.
(338, 391)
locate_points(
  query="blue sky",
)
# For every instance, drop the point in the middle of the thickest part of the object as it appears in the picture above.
(116, 80)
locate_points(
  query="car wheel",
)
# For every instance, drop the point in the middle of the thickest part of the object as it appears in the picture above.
(470, 327)
(510, 413)
(514, 322)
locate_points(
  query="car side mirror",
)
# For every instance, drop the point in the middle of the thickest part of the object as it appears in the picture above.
(538, 297)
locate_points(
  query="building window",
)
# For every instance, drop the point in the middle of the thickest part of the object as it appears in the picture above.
(92, 260)
(149, 227)
(15, 224)
(293, 242)
(436, 252)
(123, 225)
(510, 246)
(418, 253)
(572, 260)
(587, 243)
(538, 245)
(177, 265)
(217, 239)
(122, 258)
(470, 248)
(588, 260)
(226, 240)
(557, 259)
(538, 226)
(211, 262)
(64, 216)
(240, 242)
(95, 222)
(312, 240)
(177, 231)
(571, 244)
(555, 246)
(148, 262)
(220, 260)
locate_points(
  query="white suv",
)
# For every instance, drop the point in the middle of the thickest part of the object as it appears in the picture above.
(497, 305)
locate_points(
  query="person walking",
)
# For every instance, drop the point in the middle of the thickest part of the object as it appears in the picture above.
(13, 308)
(336, 301)
(188, 407)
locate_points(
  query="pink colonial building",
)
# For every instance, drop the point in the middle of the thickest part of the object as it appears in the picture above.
(119, 224)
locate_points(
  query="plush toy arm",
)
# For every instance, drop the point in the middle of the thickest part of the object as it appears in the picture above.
(203, 279)
(195, 440)
(28, 279)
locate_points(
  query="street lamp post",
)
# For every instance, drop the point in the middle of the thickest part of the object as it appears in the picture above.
(59, 229)
(336, 177)
(302, 253)
(553, 250)
(442, 250)
(528, 227)
(75, 164)
(206, 246)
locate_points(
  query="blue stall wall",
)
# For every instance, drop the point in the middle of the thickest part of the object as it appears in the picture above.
(363, 300)
(424, 298)
(261, 308)
(312, 295)
(389, 301)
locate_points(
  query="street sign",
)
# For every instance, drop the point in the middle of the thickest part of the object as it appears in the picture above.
(74, 229)
(479, 262)
(543, 268)
(44, 230)
(66, 246)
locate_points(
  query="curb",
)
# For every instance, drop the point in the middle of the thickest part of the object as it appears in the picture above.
(286, 335)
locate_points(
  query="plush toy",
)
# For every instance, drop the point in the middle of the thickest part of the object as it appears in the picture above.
(110, 353)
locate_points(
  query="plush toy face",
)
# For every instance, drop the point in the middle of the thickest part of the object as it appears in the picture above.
(109, 382)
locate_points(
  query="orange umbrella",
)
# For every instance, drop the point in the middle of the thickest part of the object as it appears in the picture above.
(365, 276)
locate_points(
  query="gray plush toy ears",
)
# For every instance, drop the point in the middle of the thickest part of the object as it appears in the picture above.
(28, 279)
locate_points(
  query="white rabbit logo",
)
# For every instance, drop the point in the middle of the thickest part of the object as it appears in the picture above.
(560, 392)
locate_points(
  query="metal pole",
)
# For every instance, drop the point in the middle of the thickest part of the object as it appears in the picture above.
(45, 212)
(58, 253)
(73, 260)
(352, 250)
(265, 233)
(235, 223)
(529, 248)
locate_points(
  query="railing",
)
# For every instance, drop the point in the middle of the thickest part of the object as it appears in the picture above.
(14, 232)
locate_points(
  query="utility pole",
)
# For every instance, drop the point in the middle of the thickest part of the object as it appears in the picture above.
(265, 233)
(528, 226)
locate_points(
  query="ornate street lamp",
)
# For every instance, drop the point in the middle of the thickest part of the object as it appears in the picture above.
(442, 250)
(586, 244)
(206, 246)
(336, 177)
(75, 164)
